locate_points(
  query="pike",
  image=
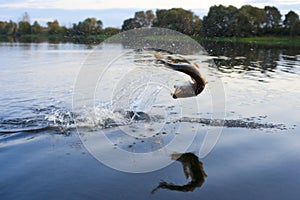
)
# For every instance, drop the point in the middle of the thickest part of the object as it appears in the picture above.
(193, 87)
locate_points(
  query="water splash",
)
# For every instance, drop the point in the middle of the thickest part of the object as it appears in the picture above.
(102, 116)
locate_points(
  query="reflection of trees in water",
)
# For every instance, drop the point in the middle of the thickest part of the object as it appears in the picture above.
(240, 57)
(192, 167)
(158, 38)
(36, 39)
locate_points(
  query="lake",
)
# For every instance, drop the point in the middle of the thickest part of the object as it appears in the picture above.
(64, 134)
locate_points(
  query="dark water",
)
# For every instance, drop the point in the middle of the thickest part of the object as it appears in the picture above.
(42, 156)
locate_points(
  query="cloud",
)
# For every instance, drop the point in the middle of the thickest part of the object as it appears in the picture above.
(4, 16)
(42, 20)
(275, 2)
(148, 4)
(204, 5)
(110, 4)
(282, 5)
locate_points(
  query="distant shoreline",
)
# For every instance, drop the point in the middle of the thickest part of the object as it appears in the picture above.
(55, 38)
(247, 24)
(97, 39)
(272, 40)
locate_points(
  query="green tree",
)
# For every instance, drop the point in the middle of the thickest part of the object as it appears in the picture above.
(150, 17)
(290, 19)
(24, 28)
(74, 30)
(36, 28)
(197, 26)
(177, 19)
(221, 21)
(2, 27)
(273, 17)
(141, 19)
(273, 20)
(295, 30)
(253, 19)
(111, 31)
(11, 28)
(292, 24)
(90, 26)
(53, 27)
(243, 26)
(129, 24)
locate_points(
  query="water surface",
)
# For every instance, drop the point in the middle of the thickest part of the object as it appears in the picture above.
(41, 155)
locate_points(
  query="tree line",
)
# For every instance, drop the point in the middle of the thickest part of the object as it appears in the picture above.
(221, 21)
(88, 27)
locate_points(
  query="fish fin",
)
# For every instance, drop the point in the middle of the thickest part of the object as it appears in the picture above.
(202, 170)
(195, 65)
(186, 170)
(204, 80)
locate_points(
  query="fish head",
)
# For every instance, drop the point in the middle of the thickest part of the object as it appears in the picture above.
(183, 91)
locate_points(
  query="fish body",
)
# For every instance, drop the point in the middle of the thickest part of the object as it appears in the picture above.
(193, 88)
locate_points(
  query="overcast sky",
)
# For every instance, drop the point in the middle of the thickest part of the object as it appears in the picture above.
(113, 12)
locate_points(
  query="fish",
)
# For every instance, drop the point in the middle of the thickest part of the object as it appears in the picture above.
(192, 168)
(190, 89)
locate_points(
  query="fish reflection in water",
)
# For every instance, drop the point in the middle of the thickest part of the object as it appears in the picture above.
(192, 167)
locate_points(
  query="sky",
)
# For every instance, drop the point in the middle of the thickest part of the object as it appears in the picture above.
(113, 12)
